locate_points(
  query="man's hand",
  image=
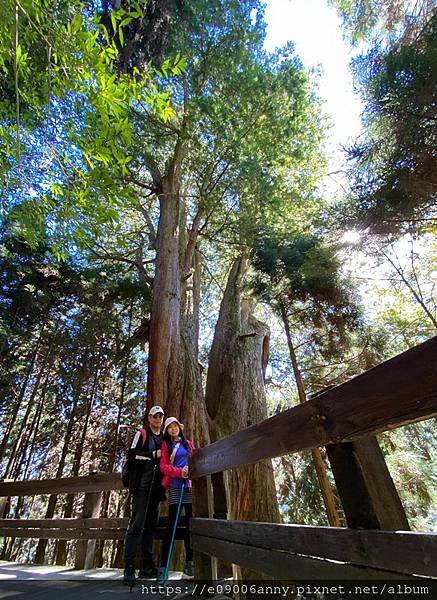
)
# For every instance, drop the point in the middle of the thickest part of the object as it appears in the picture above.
(185, 472)
(158, 453)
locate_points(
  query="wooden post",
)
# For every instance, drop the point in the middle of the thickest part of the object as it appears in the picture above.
(85, 549)
(5, 500)
(3, 505)
(224, 569)
(220, 502)
(201, 501)
(365, 486)
(210, 498)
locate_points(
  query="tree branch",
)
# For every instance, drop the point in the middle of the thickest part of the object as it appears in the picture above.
(192, 239)
(140, 264)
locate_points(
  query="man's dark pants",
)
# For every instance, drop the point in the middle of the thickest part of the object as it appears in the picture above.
(142, 524)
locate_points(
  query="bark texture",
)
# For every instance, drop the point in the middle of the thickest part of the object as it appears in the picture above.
(164, 372)
(174, 377)
(235, 396)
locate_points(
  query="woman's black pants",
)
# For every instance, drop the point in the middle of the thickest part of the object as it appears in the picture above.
(172, 510)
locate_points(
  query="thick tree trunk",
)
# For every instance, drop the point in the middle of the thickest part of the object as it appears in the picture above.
(174, 378)
(319, 463)
(164, 370)
(191, 399)
(235, 397)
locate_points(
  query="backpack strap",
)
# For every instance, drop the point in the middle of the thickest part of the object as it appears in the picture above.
(143, 435)
(173, 454)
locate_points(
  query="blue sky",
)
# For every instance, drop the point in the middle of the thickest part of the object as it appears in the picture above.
(315, 29)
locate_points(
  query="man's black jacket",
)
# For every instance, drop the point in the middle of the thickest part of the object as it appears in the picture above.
(143, 460)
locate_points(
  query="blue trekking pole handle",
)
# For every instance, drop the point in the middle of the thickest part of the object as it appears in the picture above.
(170, 550)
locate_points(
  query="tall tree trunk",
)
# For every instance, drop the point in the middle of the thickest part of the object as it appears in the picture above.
(61, 547)
(164, 372)
(34, 429)
(15, 451)
(319, 463)
(174, 377)
(20, 398)
(191, 398)
(42, 544)
(109, 467)
(30, 433)
(235, 397)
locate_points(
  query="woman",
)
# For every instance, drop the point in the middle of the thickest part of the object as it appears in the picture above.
(175, 452)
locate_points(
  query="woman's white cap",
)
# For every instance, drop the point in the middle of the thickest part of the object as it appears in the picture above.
(171, 420)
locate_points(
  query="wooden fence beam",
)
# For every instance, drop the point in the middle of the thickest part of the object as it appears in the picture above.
(399, 391)
(69, 523)
(63, 534)
(288, 566)
(400, 551)
(47, 533)
(96, 482)
(220, 501)
(79, 523)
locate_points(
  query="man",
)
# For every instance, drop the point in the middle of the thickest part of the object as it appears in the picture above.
(146, 493)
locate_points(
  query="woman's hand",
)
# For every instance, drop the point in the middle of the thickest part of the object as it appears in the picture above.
(185, 472)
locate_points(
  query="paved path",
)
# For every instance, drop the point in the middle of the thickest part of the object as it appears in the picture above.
(36, 582)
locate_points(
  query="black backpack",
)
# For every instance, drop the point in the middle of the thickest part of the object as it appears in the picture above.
(125, 473)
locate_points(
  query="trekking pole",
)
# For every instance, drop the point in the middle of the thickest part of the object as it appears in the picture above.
(170, 550)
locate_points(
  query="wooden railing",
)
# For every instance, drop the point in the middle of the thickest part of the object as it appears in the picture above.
(306, 552)
(376, 544)
(86, 528)
(344, 419)
(397, 392)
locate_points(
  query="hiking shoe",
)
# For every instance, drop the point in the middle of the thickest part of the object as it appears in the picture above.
(189, 570)
(129, 576)
(148, 572)
(160, 577)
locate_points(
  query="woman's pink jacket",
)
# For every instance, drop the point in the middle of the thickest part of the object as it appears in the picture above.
(167, 468)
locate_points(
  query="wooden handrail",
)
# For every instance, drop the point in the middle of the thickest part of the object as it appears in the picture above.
(80, 528)
(70, 523)
(399, 391)
(78, 523)
(95, 482)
